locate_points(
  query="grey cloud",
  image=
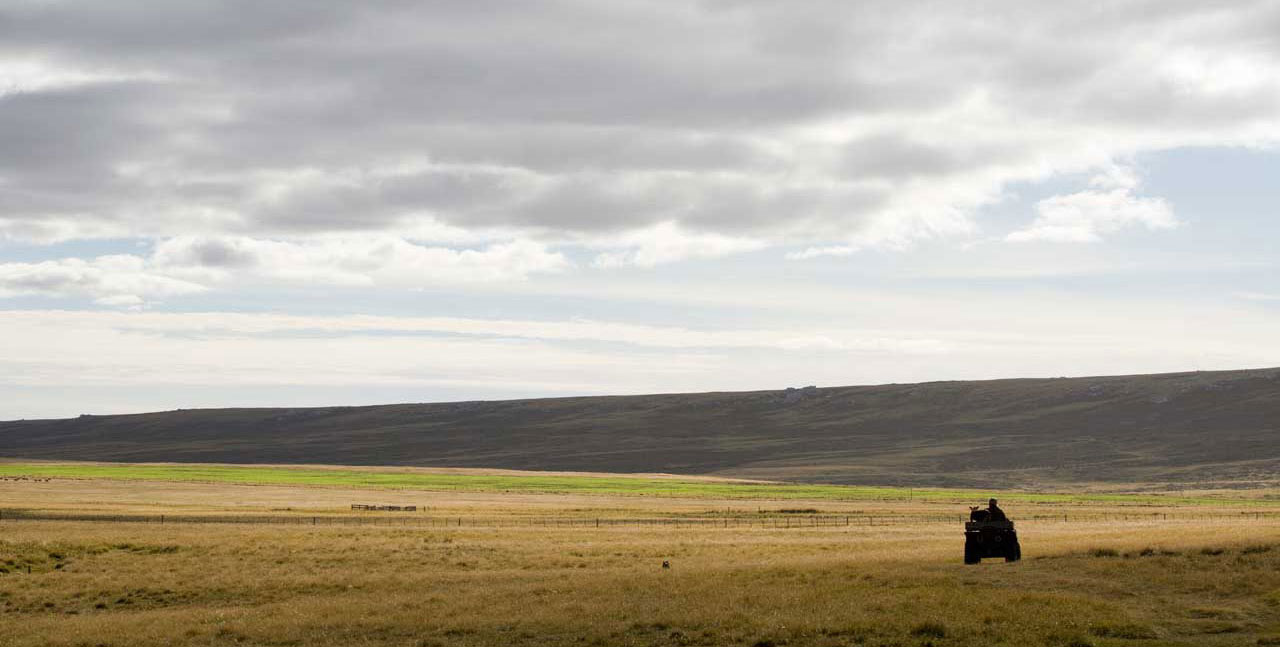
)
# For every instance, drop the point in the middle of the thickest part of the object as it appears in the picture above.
(467, 196)
(78, 133)
(140, 29)
(217, 253)
(896, 157)
(576, 117)
(566, 149)
(585, 202)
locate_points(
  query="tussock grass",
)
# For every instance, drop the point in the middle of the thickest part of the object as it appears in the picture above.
(932, 629)
(903, 585)
(249, 585)
(1125, 630)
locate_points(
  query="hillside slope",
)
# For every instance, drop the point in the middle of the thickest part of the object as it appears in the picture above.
(1185, 427)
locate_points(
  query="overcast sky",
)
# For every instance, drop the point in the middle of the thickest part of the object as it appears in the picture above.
(245, 203)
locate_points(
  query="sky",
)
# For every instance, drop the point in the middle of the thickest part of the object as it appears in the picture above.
(309, 203)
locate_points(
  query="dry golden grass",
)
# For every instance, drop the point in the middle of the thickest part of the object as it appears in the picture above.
(1168, 583)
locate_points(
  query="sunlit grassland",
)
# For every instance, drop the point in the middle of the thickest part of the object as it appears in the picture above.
(1202, 575)
(604, 485)
(1119, 584)
(1187, 581)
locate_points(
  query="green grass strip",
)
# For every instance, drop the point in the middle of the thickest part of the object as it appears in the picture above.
(558, 484)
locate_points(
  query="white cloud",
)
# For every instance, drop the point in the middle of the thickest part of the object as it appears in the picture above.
(385, 261)
(666, 243)
(49, 230)
(1087, 216)
(1235, 74)
(215, 325)
(117, 280)
(1257, 296)
(189, 265)
(817, 252)
(69, 350)
(34, 74)
(153, 353)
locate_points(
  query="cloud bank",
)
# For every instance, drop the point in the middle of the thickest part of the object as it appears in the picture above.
(186, 265)
(652, 131)
(52, 362)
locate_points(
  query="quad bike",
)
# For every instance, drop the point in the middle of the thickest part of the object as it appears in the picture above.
(990, 539)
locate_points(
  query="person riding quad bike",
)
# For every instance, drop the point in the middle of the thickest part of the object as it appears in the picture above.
(989, 533)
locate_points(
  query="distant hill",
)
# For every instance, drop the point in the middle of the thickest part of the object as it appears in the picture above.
(1180, 427)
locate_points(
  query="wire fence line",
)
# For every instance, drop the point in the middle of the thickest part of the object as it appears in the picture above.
(726, 521)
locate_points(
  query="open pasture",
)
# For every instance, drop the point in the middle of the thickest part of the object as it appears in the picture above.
(1205, 575)
(466, 481)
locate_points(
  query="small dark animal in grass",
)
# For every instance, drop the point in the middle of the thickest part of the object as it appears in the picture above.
(666, 564)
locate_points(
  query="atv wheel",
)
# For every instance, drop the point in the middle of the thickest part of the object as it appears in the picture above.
(1014, 554)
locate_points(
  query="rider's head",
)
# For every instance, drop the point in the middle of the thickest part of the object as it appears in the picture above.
(992, 503)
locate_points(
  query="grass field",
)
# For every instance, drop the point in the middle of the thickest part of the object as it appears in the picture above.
(1124, 582)
(613, 485)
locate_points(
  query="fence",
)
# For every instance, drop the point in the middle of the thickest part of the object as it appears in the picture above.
(760, 521)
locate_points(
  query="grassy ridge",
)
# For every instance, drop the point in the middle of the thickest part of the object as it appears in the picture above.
(1191, 428)
(561, 484)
